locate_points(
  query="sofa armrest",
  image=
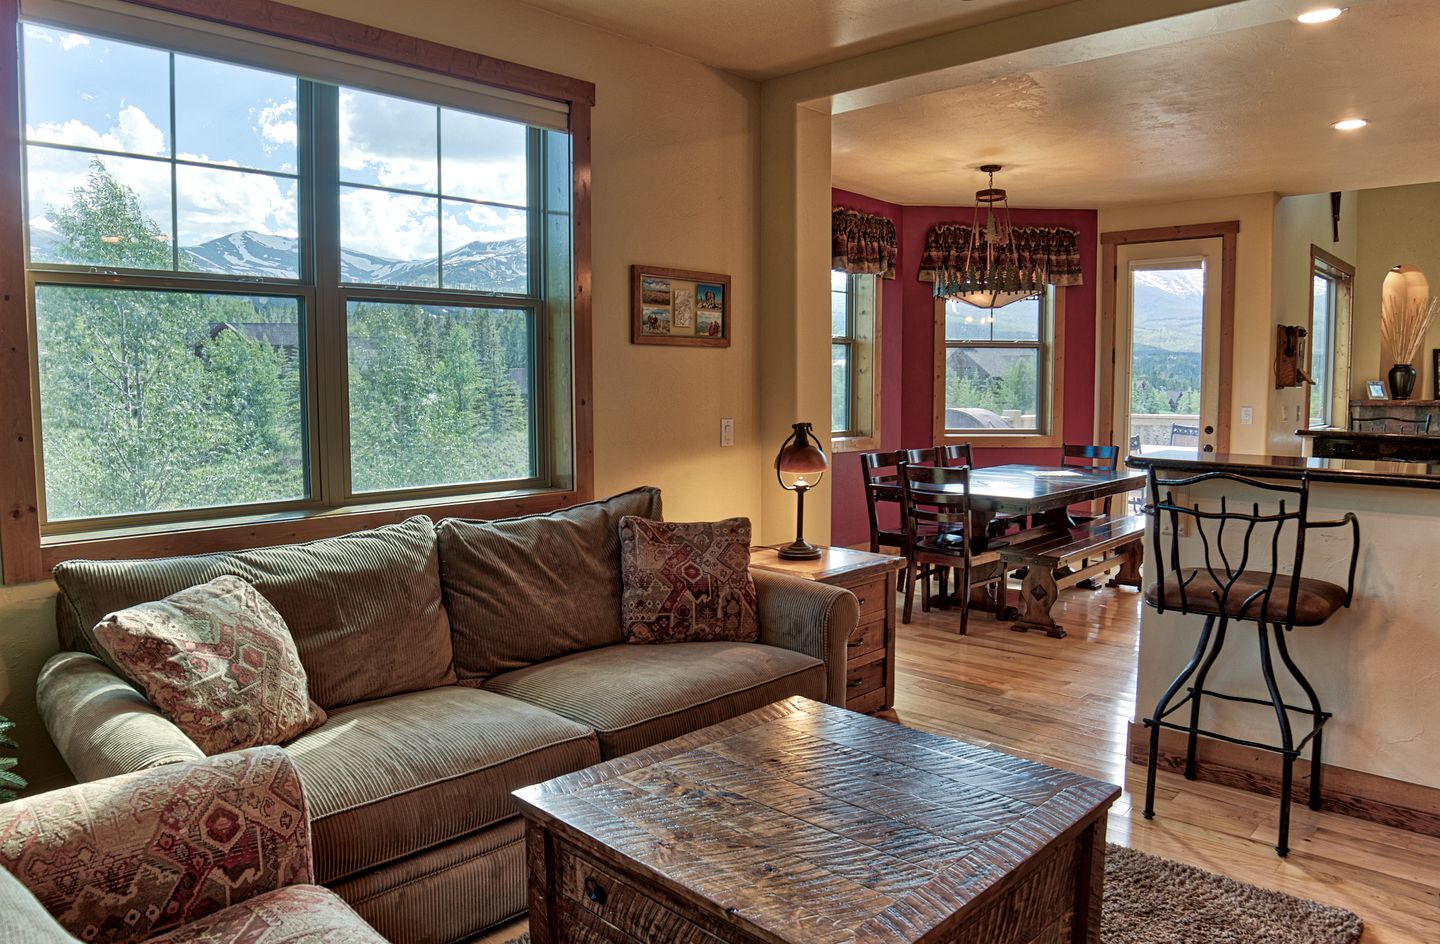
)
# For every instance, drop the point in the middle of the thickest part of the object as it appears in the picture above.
(814, 618)
(122, 859)
(101, 724)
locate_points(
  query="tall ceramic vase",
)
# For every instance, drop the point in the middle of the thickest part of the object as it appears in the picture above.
(1402, 381)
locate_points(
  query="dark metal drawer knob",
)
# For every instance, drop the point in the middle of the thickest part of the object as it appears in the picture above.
(594, 890)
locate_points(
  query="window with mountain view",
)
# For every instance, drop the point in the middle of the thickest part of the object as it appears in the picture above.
(995, 363)
(255, 291)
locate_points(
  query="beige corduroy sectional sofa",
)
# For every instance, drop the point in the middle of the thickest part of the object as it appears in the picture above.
(457, 662)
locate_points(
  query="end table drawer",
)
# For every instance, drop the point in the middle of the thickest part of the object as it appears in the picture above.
(860, 680)
(872, 599)
(590, 888)
(867, 637)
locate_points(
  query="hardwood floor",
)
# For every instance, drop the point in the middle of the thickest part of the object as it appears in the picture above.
(1066, 702)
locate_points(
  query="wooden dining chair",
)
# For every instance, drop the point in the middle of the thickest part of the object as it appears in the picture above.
(882, 487)
(954, 455)
(927, 455)
(1090, 456)
(937, 515)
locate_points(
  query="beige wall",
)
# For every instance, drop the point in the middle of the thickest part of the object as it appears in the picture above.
(1301, 222)
(1397, 225)
(1254, 325)
(675, 148)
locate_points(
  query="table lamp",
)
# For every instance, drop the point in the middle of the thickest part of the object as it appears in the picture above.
(800, 466)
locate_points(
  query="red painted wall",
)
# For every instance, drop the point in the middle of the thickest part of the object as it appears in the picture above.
(908, 386)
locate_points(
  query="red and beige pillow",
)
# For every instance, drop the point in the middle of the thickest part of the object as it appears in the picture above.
(687, 582)
(218, 661)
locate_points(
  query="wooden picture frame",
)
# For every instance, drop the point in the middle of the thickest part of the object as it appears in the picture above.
(680, 307)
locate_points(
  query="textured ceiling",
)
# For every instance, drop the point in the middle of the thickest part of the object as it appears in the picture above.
(761, 39)
(1246, 111)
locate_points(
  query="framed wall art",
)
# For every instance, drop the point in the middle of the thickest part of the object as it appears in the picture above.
(675, 306)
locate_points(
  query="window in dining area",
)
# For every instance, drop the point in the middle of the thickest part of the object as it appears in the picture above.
(854, 361)
(996, 367)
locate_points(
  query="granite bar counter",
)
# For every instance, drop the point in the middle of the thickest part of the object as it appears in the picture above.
(1376, 665)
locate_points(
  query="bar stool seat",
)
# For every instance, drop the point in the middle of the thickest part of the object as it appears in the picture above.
(1316, 602)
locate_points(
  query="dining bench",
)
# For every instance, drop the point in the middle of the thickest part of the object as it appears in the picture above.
(1097, 545)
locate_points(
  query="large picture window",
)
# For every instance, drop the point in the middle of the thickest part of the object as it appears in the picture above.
(256, 292)
(995, 367)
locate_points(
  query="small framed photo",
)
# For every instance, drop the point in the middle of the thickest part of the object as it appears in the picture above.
(1376, 389)
(676, 306)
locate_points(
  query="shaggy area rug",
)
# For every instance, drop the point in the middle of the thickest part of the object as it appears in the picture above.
(1150, 900)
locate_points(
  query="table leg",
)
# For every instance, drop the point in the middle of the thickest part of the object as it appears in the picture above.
(1037, 595)
(1131, 557)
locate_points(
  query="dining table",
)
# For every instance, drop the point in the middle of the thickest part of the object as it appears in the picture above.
(1040, 493)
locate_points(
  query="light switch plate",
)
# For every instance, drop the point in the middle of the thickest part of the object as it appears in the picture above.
(727, 431)
(1247, 415)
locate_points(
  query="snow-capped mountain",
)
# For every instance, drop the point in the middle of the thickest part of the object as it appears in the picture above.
(486, 266)
(481, 266)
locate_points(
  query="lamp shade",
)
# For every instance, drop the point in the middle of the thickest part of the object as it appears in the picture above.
(992, 299)
(801, 455)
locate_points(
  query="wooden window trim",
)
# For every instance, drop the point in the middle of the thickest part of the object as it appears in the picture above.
(23, 555)
(1344, 275)
(864, 349)
(1227, 232)
(1053, 436)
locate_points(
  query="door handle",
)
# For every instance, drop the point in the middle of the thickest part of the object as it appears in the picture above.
(1209, 431)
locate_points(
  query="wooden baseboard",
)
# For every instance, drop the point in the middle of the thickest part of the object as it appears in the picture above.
(1365, 796)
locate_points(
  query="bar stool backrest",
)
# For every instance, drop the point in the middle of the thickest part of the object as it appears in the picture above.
(1246, 535)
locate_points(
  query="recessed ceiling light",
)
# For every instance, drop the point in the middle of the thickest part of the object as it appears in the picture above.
(1321, 15)
(1350, 124)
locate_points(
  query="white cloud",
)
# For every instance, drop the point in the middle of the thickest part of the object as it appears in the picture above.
(133, 133)
(276, 124)
(70, 40)
(388, 225)
(216, 203)
(468, 223)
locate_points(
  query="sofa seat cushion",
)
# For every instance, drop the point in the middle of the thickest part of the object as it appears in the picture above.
(297, 914)
(636, 696)
(391, 777)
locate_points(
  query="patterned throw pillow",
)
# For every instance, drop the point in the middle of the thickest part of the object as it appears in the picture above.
(687, 582)
(218, 661)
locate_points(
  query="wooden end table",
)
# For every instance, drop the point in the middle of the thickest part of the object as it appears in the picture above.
(802, 823)
(870, 662)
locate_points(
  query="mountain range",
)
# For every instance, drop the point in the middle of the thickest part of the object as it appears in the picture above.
(500, 266)
(1169, 309)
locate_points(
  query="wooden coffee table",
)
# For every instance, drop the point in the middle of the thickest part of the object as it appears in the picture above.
(801, 822)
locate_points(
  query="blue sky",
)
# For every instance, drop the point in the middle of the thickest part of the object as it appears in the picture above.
(94, 92)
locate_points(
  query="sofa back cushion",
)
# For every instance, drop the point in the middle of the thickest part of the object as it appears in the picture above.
(364, 608)
(524, 590)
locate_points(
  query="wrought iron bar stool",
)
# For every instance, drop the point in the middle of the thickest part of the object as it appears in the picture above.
(1227, 579)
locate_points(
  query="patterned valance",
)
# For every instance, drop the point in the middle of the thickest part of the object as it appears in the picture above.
(862, 243)
(1048, 255)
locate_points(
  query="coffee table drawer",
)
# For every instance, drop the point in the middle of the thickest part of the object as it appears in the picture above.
(591, 889)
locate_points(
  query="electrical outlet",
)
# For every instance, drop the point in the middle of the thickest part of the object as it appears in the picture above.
(727, 431)
(1247, 415)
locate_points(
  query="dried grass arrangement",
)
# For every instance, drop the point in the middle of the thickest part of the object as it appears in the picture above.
(1403, 323)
